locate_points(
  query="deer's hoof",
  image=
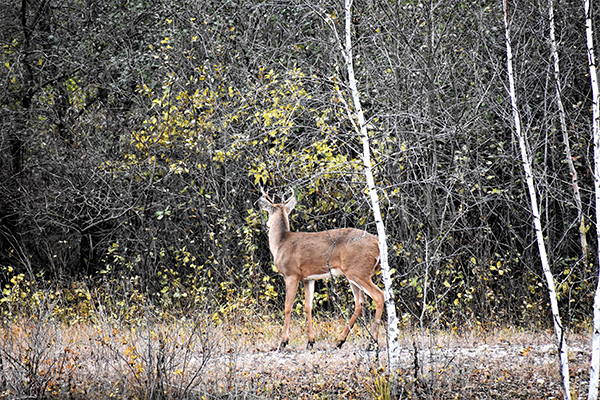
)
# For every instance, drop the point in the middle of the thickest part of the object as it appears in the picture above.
(372, 346)
(310, 344)
(282, 345)
(340, 344)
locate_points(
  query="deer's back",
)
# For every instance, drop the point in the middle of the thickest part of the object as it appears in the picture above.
(336, 248)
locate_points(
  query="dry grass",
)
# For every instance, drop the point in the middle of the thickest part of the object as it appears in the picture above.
(195, 359)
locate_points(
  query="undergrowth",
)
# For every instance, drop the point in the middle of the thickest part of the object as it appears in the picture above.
(79, 344)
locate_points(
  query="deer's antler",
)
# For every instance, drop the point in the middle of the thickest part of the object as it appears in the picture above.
(265, 194)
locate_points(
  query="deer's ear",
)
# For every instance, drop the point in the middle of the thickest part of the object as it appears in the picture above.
(265, 204)
(291, 202)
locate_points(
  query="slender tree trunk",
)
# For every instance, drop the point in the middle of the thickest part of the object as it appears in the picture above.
(12, 198)
(558, 329)
(595, 361)
(357, 115)
(563, 127)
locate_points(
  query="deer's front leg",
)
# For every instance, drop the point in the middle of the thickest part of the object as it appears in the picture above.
(291, 286)
(309, 291)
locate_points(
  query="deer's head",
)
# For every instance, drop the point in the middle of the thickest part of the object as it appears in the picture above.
(278, 213)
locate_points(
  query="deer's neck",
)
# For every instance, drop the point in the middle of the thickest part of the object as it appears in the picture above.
(280, 227)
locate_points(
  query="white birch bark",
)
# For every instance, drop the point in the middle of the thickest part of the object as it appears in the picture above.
(558, 329)
(357, 112)
(595, 360)
(563, 127)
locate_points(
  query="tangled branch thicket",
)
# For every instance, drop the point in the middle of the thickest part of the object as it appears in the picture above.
(133, 137)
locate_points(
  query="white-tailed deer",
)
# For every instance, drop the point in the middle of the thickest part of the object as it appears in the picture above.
(306, 257)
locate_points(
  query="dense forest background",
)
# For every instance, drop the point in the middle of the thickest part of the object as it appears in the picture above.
(134, 136)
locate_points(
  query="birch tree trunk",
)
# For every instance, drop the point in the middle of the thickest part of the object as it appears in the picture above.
(558, 329)
(357, 116)
(563, 127)
(595, 361)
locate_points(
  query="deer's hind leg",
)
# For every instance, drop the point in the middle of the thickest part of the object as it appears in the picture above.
(358, 300)
(359, 285)
(378, 297)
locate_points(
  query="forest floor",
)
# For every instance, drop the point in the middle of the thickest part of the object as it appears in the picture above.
(236, 361)
(503, 364)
